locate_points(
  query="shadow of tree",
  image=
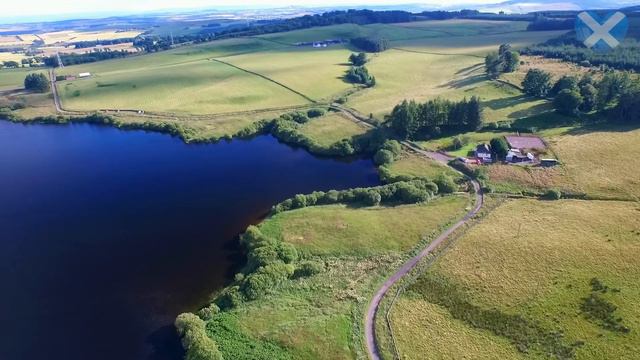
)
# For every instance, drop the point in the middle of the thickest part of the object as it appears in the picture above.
(467, 81)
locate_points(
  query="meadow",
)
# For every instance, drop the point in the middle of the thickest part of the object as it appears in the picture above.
(522, 275)
(319, 317)
(269, 72)
(332, 128)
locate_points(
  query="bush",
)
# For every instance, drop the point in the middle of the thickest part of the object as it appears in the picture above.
(314, 113)
(308, 268)
(553, 194)
(446, 184)
(196, 343)
(373, 198)
(265, 279)
(206, 313)
(37, 82)
(383, 157)
(393, 146)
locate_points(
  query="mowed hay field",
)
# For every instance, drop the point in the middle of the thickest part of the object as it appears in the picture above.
(319, 317)
(521, 276)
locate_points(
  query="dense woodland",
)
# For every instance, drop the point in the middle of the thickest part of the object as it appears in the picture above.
(411, 120)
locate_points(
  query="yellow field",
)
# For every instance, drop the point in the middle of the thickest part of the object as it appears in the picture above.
(75, 36)
(601, 162)
(534, 259)
(7, 56)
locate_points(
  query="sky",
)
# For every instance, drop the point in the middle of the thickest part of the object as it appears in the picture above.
(20, 9)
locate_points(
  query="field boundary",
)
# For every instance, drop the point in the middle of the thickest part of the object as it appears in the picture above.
(268, 79)
(436, 53)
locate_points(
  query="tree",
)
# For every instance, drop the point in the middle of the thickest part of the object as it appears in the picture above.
(404, 119)
(474, 114)
(628, 108)
(358, 59)
(499, 147)
(612, 85)
(37, 82)
(589, 98)
(493, 65)
(565, 82)
(568, 101)
(360, 75)
(537, 83)
(510, 61)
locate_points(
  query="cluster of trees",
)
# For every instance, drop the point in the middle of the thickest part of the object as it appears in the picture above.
(360, 75)
(617, 93)
(414, 121)
(98, 55)
(270, 263)
(504, 61)
(388, 153)
(37, 82)
(358, 59)
(405, 192)
(371, 44)
(10, 64)
(568, 48)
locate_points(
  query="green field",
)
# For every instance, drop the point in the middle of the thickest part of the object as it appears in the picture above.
(534, 260)
(11, 79)
(331, 128)
(413, 165)
(319, 317)
(268, 72)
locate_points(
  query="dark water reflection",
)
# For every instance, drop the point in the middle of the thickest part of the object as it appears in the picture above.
(105, 235)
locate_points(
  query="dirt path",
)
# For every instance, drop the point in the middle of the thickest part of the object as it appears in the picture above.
(54, 91)
(374, 305)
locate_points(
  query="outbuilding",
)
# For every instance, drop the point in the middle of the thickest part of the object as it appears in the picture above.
(483, 153)
(84, 75)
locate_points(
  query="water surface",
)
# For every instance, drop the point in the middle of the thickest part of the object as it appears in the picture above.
(106, 235)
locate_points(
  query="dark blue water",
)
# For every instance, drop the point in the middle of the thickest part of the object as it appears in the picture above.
(106, 235)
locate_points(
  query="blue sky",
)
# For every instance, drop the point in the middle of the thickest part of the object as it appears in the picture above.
(54, 8)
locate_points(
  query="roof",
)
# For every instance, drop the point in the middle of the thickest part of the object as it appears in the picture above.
(525, 142)
(483, 149)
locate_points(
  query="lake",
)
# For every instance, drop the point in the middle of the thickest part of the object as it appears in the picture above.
(106, 235)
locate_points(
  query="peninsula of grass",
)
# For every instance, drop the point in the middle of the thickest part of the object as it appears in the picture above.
(318, 314)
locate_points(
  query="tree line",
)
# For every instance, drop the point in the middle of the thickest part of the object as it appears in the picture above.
(98, 55)
(616, 95)
(568, 48)
(415, 121)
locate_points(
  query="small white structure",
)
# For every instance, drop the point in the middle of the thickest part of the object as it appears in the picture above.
(516, 156)
(84, 75)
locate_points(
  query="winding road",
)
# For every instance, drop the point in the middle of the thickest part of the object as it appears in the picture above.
(374, 305)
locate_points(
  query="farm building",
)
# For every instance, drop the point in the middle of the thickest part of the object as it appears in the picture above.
(525, 142)
(483, 153)
(515, 156)
(84, 75)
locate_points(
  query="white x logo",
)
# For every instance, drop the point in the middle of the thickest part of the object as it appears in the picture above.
(601, 32)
